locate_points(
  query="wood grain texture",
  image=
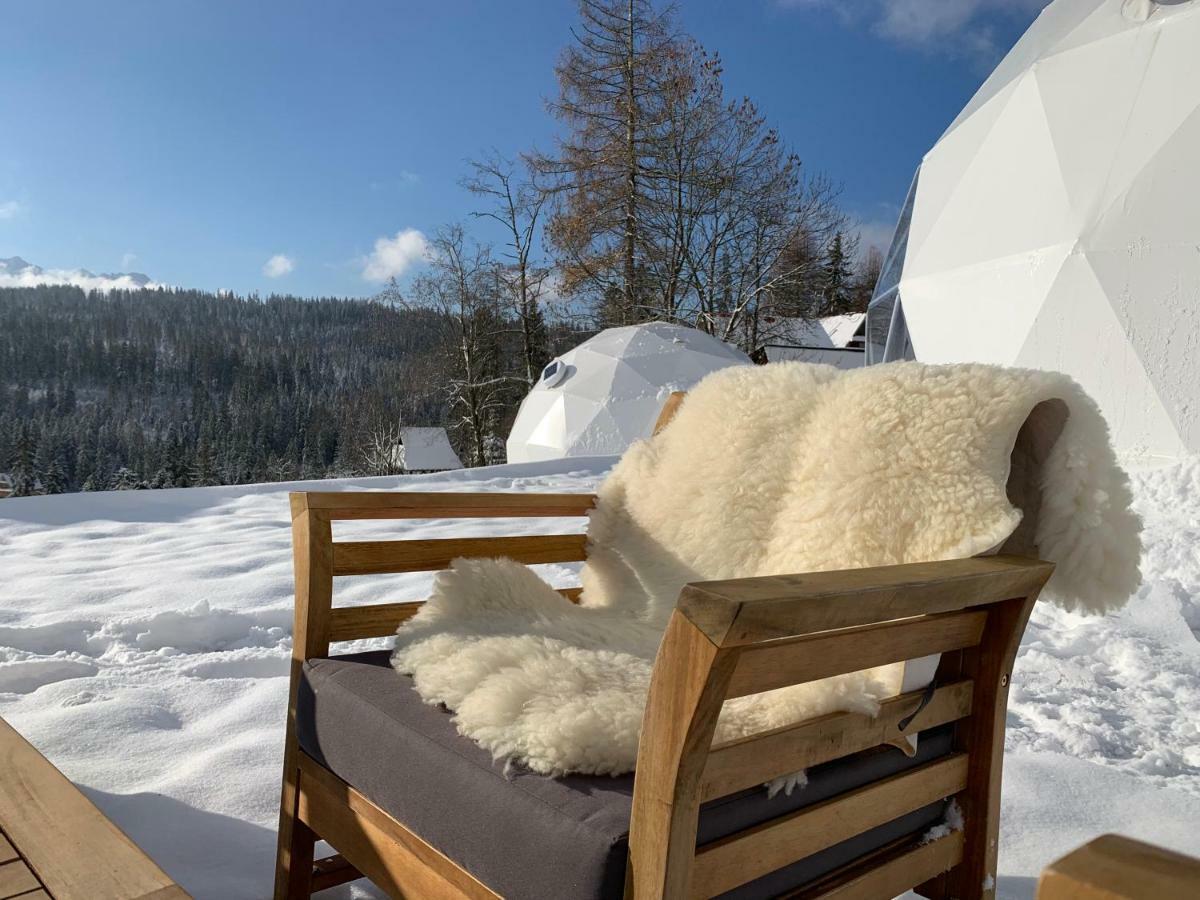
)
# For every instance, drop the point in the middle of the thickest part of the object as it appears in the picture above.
(757, 759)
(686, 692)
(394, 858)
(7, 851)
(745, 610)
(452, 505)
(74, 851)
(890, 873)
(17, 878)
(352, 623)
(312, 561)
(982, 737)
(1113, 867)
(742, 857)
(393, 557)
(781, 663)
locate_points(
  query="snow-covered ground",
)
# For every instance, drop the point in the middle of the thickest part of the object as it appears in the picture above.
(144, 640)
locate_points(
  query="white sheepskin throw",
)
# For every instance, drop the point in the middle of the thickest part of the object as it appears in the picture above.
(785, 468)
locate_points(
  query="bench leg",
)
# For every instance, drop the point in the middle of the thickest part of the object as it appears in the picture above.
(294, 859)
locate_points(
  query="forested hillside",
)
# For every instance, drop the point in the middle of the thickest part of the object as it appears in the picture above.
(174, 388)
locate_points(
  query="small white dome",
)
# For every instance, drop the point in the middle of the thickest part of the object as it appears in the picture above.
(600, 397)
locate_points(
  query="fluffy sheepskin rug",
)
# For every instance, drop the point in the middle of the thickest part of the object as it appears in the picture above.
(784, 468)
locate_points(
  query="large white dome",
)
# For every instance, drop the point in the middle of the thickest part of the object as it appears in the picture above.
(605, 394)
(1056, 223)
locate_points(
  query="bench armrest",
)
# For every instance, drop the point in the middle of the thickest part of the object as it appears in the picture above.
(746, 610)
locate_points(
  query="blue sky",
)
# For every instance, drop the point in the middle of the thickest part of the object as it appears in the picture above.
(195, 140)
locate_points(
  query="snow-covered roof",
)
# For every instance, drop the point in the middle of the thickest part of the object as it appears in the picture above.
(428, 450)
(842, 330)
(605, 394)
(798, 332)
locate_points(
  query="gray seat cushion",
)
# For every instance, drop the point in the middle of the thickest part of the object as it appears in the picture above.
(525, 835)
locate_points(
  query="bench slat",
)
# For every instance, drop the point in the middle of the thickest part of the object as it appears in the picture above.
(393, 557)
(436, 505)
(16, 878)
(890, 874)
(759, 758)
(742, 857)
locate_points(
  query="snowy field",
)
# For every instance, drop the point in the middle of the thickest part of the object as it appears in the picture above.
(144, 639)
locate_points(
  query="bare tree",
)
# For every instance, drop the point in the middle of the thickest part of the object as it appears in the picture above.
(517, 206)
(380, 449)
(462, 284)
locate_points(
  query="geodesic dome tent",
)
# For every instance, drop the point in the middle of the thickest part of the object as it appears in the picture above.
(1056, 222)
(600, 397)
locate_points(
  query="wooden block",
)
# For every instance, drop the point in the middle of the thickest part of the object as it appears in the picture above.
(1113, 867)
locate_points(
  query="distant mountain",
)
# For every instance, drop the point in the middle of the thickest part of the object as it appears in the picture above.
(15, 264)
(18, 272)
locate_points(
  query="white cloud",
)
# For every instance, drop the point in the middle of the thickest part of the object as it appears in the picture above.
(80, 278)
(9, 209)
(876, 233)
(127, 260)
(957, 27)
(278, 266)
(392, 257)
(402, 179)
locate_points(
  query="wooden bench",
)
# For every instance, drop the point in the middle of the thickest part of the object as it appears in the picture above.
(54, 842)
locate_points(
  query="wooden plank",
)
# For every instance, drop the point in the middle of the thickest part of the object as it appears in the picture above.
(723, 865)
(669, 409)
(312, 561)
(17, 878)
(75, 851)
(391, 557)
(352, 623)
(686, 692)
(982, 737)
(7, 851)
(331, 871)
(453, 505)
(745, 610)
(757, 759)
(781, 663)
(890, 873)
(1113, 867)
(395, 859)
